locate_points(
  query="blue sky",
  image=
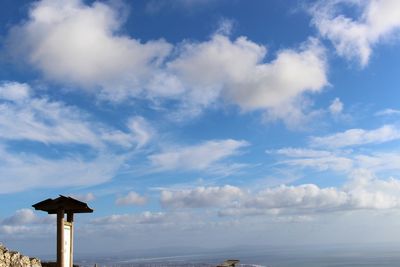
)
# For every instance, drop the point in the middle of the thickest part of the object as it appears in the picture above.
(201, 122)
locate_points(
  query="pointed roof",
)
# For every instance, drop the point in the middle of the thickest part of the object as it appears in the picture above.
(68, 204)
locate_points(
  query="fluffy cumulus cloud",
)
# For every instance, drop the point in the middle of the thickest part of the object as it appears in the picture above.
(236, 68)
(71, 42)
(26, 217)
(355, 36)
(200, 197)
(362, 192)
(356, 137)
(196, 157)
(25, 222)
(132, 198)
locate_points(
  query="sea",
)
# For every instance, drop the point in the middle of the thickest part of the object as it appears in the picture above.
(332, 256)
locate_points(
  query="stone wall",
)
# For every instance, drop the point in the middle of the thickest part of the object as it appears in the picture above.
(15, 259)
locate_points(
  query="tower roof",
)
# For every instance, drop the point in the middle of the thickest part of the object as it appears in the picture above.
(68, 204)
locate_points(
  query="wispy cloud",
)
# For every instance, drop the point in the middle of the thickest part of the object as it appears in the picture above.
(356, 137)
(53, 173)
(26, 117)
(388, 112)
(196, 157)
(354, 37)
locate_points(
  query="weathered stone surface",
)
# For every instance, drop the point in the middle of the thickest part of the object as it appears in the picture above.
(15, 259)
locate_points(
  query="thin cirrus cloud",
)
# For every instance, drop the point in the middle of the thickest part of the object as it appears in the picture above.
(196, 157)
(356, 137)
(26, 117)
(339, 160)
(355, 37)
(388, 112)
(70, 42)
(53, 173)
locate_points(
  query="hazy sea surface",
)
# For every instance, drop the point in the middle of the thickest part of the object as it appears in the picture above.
(271, 257)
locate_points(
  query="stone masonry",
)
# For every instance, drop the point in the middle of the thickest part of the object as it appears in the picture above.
(15, 259)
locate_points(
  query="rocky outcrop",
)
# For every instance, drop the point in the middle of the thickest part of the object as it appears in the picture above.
(15, 259)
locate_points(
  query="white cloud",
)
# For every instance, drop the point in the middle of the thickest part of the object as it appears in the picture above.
(354, 137)
(371, 194)
(25, 117)
(378, 161)
(197, 157)
(132, 198)
(146, 217)
(301, 152)
(73, 42)
(26, 217)
(388, 112)
(236, 70)
(354, 38)
(333, 162)
(305, 198)
(362, 192)
(14, 229)
(79, 44)
(336, 107)
(320, 160)
(85, 197)
(141, 130)
(200, 197)
(53, 173)
(341, 161)
(14, 91)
